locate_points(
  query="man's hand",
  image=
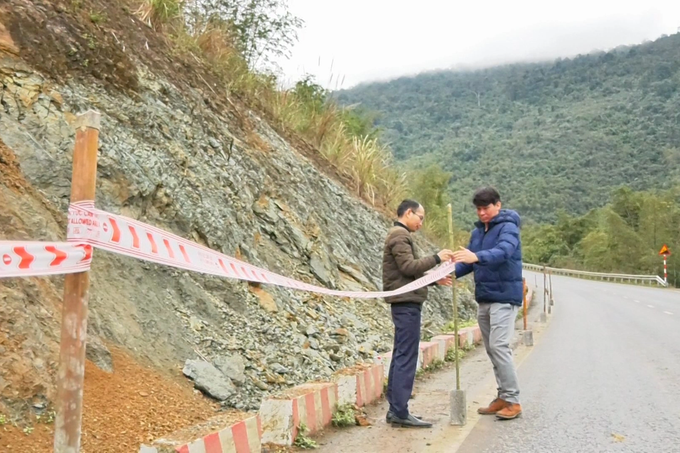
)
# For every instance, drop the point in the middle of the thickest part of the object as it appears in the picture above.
(446, 281)
(465, 256)
(445, 255)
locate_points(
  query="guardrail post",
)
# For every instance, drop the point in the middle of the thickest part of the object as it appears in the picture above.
(552, 295)
(545, 290)
(76, 295)
(524, 302)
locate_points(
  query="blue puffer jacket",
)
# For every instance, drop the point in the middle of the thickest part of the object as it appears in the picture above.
(498, 273)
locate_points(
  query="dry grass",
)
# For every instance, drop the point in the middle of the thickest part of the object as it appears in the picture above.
(159, 13)
(334, 147)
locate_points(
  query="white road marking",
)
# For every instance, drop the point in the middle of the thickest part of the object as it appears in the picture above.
(650, 306)
(668, 313)
(637, 301)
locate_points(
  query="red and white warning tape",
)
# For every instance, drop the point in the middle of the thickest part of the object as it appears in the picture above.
(25, 259)
(89, 227)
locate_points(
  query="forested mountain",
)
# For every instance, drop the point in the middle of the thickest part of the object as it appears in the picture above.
(551, 136)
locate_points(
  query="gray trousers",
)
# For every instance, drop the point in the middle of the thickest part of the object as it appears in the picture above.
(497, 323)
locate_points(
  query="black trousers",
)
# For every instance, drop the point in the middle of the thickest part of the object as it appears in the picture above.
(406, 319)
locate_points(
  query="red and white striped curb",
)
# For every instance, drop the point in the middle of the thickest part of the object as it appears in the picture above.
(429, 353)
(445, 343)
(241, 437)
(476, 334)
(369, 385)
(312, 406)
(468, 336)
(465, 337)
(385, 359)
(346, 385)
(360, 386)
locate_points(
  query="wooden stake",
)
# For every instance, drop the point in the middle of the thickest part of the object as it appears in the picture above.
(76, 296)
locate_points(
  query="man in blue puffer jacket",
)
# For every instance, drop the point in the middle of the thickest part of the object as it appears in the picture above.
(495, 256)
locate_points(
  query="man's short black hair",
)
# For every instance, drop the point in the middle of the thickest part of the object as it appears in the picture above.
(406, 205)
(486, 196)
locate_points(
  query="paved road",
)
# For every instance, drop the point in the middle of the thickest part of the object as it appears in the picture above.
(605, 376)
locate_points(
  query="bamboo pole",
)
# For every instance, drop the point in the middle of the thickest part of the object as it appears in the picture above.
(455, 300)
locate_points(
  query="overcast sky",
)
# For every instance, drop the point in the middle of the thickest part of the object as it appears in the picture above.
(365, 40)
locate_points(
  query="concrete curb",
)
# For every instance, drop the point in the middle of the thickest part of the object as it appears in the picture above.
(369, 385)
(385, 360)
(361, 388)
(445, 343)
(429, 353)
(347, 388)
(240, 437)
(468, 336)
(309, 404)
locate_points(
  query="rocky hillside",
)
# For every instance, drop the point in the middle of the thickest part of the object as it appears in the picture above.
(179, 152)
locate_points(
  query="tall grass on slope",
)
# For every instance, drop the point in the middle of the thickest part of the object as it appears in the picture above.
(157, 13)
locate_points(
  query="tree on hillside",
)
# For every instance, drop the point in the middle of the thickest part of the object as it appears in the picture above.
(429, 187)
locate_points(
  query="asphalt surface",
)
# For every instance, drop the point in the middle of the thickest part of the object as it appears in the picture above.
(605, 376)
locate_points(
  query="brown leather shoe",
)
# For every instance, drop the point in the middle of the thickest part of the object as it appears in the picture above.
(510, 411)
(495, 406)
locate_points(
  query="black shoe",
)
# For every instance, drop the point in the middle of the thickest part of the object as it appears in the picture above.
(390, 416)
(410, 422)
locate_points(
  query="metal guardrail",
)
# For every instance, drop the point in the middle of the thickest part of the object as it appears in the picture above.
(637, 279)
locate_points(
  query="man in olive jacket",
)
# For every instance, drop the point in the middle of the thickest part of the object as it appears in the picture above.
(402, 266)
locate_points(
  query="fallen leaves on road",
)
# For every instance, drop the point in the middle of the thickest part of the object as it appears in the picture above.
(618, 437)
